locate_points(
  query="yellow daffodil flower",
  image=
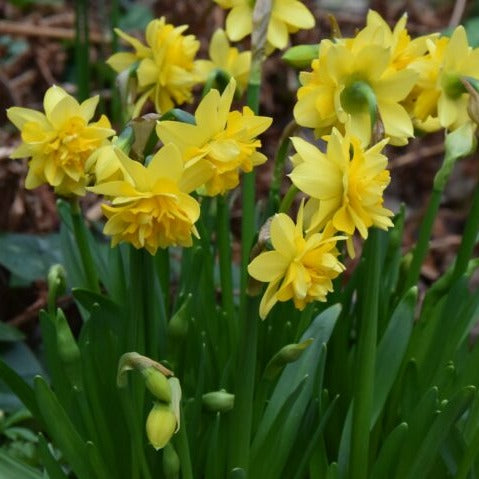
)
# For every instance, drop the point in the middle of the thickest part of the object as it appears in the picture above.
(287, 16)
(225, 141)
(166, 71)
(404, 50)
(346, 184)
(440, 98)
(224, 57)
(59, 141)
(299, 267)
(151, 207)
(348, 81)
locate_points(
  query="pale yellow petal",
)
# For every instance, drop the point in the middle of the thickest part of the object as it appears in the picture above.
(269, 299)
(268, 266)
(239, 22)
(283, 235)
(166, 163)
(121, 61)
(19, 116)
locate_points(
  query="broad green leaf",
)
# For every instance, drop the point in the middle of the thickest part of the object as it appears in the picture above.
(29, 256)
(391, 350)
(432, 441)
(52, 466)
(389, 453)
(14, 469)
(62, 431)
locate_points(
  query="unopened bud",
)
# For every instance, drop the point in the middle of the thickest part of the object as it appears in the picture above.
(178, 325)
(287, 354)
(160, 425)
(157, 383)
(57, 284)
(301, 56)
(218, 401)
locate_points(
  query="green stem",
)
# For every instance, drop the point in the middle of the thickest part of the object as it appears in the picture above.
(224, 246)
(135, 338)
(365, 361)
(469, 237)
(280, 159)
(183, 450)
(162, 260)
(288, 199)
(420, 250)
(81, 237)
(244, 394)
(82, 49)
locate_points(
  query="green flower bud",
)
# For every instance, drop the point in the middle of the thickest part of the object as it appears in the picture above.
(160, 425)
(218, 401)
(287, 354)
(57, 284)
(171, 462)
(301, 56)
(178, 325)
(157, 383)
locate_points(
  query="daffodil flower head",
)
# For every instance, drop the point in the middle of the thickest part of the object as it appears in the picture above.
(228, 59)
(59, 141)
(345, 184)
(440, 95)
(287, 16)
(350, 80)
(298, 267)
(223, 140)
(166, 70)
(151, 208)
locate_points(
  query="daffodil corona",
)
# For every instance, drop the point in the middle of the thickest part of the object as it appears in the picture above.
(345, 184)
(351, 80)
(166, 65)
(299, 267)
(225, 141)
(151, 208)
(59, 141)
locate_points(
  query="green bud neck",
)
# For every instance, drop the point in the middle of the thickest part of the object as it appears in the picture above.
(358, 97)
(452, 85)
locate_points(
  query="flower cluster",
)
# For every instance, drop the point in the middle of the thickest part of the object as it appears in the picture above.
(383, 72)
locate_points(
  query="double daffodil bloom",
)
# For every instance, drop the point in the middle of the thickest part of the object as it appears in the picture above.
(226, 58)
(346, 184)
(166, 71)
(351, 79)
(440, 98)
(287, 16)
(299, 267)
(225, 141)
(59, 141)
(151, 208)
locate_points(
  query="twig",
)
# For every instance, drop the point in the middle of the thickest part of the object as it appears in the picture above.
(34, 30)
(457, 13)
(415, 155)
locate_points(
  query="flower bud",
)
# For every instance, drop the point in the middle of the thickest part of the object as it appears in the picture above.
(287, 354)
(178, 325)
(157, 383)
(301, 56)
(171, 462)
(218, 401)
(160, 425)
(56, 285)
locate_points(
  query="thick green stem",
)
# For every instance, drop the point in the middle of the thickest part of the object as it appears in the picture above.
(280, 159)
(420, 250)
(244, 393)
(288, 199)
(365, 361)
(81, 237)
(82, 49)
(183, 450)
(469, 237)
(224, 246)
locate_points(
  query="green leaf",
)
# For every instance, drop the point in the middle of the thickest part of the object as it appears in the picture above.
(62, 431)
(389, 454)
(52, 466)
(391, 350)
(432, 441)
(29, 256)
(12, 468)
(9, 333)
